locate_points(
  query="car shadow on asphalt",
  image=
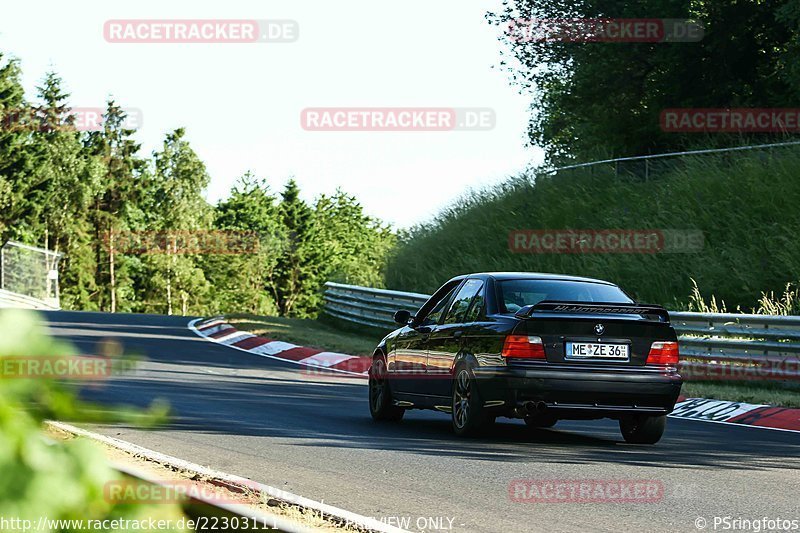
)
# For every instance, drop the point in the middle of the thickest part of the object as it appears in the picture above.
(305, 412)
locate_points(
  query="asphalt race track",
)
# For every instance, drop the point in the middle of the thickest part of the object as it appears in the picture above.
(312, 435)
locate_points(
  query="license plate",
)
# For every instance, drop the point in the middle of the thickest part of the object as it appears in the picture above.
(592, 350)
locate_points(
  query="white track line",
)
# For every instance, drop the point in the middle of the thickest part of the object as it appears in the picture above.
(293, 499)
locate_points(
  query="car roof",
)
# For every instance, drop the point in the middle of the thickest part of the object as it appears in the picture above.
(500, 276)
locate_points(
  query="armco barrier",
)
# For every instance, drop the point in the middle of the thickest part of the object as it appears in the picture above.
(713, 345)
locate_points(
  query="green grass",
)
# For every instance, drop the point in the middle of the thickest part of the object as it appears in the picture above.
(333, 337)
(306, 332)
(748, 392)
(744, 203)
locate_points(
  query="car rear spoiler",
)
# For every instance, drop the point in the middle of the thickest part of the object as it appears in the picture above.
(654, 313)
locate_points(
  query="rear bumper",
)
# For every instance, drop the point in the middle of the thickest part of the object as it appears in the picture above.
(580, 392)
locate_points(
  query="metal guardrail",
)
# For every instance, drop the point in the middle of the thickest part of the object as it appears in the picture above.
(713, 345)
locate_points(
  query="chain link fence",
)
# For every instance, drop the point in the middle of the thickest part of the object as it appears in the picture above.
(29, 276)
(647, 167)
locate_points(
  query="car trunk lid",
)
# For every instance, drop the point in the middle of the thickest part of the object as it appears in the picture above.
(594, 333)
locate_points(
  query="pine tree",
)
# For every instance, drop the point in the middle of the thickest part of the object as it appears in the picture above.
(16, 181)
(246, 281)
(175, 205)
(116, 205)
(69, 179)
(296, 274)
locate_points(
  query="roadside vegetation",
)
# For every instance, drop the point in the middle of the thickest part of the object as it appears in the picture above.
(46, 480)
(744, 203)
(762, 392)
(80, 192)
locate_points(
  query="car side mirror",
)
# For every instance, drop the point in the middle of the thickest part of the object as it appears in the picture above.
(402, 317)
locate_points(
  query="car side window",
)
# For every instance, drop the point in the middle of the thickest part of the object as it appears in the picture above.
(476, 311)
(436, 313)
(462, 301)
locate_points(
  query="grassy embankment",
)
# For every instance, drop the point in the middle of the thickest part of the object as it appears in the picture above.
(745, 204)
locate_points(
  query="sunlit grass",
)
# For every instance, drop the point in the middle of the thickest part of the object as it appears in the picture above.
(306, 332)
(749, 392)
(745, 204)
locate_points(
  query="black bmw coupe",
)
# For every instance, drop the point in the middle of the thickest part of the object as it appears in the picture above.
(540, 347)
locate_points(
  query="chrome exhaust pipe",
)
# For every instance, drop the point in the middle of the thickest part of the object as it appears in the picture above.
(531, 408)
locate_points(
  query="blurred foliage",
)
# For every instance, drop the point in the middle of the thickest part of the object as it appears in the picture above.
(40, 478)
(744, 203)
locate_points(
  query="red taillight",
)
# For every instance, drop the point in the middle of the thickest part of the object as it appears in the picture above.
(523, 347)
(663, 353)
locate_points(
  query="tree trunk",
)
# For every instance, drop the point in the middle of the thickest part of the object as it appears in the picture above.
(170, 246)
(113, 277)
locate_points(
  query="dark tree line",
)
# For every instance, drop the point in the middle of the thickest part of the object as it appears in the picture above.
(592, 100)
(77, 192)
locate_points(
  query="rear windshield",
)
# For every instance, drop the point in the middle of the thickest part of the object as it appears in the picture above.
(517, 293)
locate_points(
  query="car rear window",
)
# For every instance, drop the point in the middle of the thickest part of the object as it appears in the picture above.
(517, 293)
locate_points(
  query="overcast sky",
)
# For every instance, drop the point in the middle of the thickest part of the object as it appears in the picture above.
(241, 103)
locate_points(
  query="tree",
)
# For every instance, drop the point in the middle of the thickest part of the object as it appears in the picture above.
(15, 164)
(118, 201)
(595, 100)
(245, 281)
(354, 246)
(175, 205)
(69, 178)
(297, 273)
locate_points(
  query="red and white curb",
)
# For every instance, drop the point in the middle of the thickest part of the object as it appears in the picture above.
(738, 413)
(219, 331)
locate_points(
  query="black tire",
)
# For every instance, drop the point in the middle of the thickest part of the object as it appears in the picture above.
(381, 405)
(469, 418)
(540, 421)
(639, 429)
